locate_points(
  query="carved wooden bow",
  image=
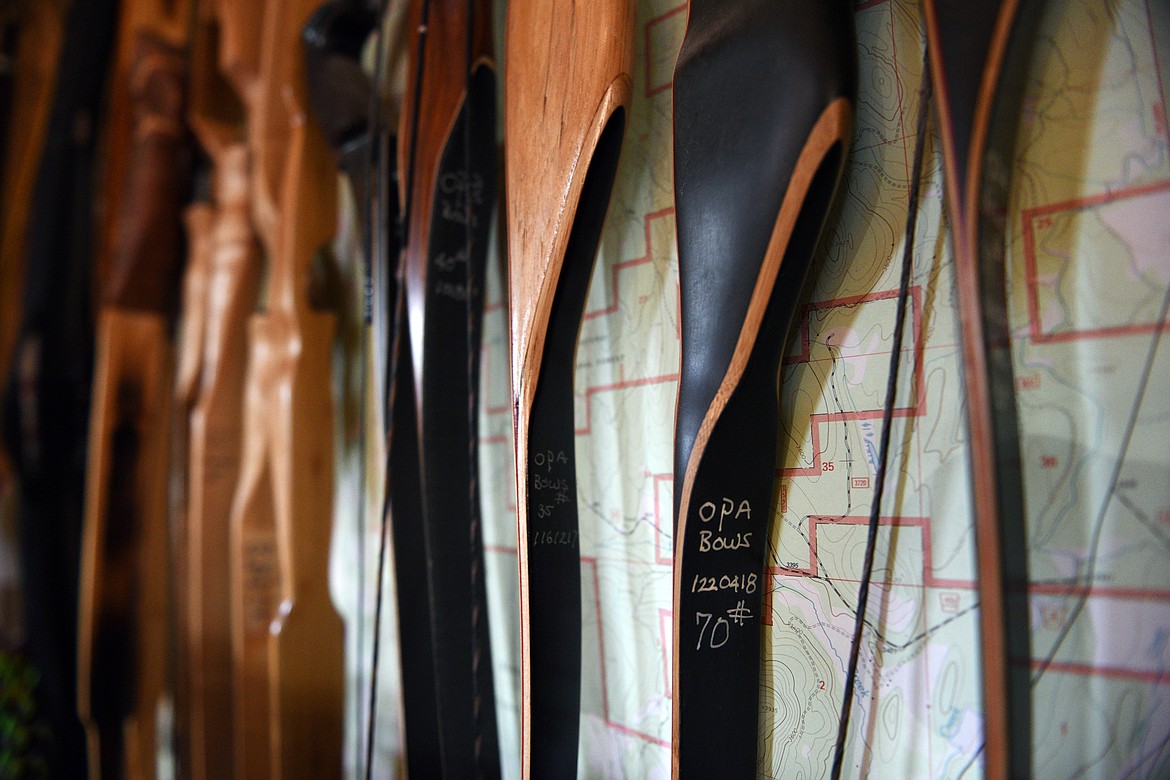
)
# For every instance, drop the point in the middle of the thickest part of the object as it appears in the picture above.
(290, 649)
(219, 294)
(123, 621)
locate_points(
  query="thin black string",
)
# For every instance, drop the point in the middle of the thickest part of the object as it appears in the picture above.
(399, 312)
(369, 211)
(399, 330)
(377, 237)
(1114, 480)
(887, 424)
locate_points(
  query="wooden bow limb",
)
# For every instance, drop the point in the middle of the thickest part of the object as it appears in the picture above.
(306, 647)
(565, 116)
(287, 474)
(123, 623)
(750, 206)
(214, 454)
(219, 295)
(970, 46)
(233, 595)
(254, 566)
(448, 157)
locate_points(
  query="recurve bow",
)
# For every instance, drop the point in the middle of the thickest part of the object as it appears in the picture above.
(566, 104)
(365, 151)
(123, 620)
(219, 294)
(750, 205)
(971, 47)
(968, 49)
(287, 478)
(447, 152)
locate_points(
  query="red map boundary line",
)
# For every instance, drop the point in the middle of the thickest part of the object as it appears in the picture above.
(1029, 218)
(804, 356)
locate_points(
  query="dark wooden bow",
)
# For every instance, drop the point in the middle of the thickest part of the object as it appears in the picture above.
(973, 50)
(977, 110)
(750, 206)
(48, 233)
(446, 153)
(124, 602)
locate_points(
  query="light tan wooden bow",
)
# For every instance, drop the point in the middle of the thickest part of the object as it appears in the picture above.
(220, 291)
(289, 702)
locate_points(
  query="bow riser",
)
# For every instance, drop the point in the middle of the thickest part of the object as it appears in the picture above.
(219, 294)
(565, 117)
(214, 457)
(750, 208)
(294, 205)
(125, 580)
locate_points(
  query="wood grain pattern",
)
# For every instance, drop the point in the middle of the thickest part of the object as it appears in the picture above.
(170, 22)
(575, 74)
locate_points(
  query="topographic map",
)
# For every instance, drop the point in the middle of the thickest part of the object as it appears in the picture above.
(1090, 270)
(1089, 267)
